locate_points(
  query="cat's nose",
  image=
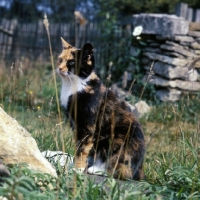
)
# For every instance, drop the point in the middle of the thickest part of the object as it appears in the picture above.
(60, 69)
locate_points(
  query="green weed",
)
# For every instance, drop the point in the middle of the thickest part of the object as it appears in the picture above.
(171, 133)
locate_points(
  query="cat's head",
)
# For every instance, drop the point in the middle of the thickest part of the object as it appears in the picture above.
(79, 62)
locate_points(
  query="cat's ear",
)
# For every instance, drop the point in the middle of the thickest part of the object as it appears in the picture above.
(65, 44)
(88, 49)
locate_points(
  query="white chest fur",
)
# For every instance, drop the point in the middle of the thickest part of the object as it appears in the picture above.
(65, 93)
(71, 85)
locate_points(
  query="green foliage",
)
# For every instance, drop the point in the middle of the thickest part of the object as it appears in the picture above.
(171, 161)
(24, 89)
(171, 175)
(26, 184)
(116, 51)
(178, 171)
(117, 44)
(130, 7)
(186, 110)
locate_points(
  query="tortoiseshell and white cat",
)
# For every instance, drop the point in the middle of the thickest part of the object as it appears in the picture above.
(108, 136)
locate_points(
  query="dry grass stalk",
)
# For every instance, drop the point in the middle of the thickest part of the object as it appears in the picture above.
(46, 24)
(148, 79)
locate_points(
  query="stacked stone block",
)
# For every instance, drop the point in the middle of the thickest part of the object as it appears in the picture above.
(172, 44)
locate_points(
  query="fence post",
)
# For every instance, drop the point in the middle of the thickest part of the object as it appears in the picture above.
(197, 15)
(190, 13)
(10, 45)
(181, 10)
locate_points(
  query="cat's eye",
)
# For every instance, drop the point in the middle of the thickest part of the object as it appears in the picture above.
(70, 63)
(59, 60)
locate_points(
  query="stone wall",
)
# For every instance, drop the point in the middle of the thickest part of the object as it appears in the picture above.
(170, 44)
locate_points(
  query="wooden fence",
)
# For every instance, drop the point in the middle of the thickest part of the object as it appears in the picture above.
(20, 41)
(190, 14)
(29, 41)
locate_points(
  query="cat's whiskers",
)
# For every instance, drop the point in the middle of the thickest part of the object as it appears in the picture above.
(75, 78)
(78, 80)
(70, 80)
(85, 73)
(53, 72)
(73, 82)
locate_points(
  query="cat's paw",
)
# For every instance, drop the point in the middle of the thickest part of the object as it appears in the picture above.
(99, 170)
(71, 166)
(78, 170)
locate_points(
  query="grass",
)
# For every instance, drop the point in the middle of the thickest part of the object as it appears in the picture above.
(171, 133)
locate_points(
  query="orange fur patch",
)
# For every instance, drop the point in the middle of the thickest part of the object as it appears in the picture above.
(81, 160)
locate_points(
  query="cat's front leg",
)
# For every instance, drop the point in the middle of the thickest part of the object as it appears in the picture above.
(83, 149)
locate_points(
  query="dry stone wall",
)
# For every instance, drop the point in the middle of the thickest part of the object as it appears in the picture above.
(172, 44)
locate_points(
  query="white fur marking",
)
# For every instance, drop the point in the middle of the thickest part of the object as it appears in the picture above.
(71, 84)
(97, 168)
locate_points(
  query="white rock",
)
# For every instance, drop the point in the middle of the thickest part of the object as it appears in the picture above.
(17, 146)
(140, 109)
